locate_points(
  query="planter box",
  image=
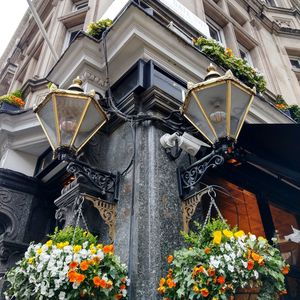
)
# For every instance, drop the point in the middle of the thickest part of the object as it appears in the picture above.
(9, 107)
(247, 294)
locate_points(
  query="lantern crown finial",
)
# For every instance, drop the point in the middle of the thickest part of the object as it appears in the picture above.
(76, 85)
(212, 72)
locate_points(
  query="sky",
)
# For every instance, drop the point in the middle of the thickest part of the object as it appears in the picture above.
(11, 13)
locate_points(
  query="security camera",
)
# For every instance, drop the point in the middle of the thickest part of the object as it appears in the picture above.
(186, 142)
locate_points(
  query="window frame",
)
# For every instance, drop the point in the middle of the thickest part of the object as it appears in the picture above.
(212, 24)
(77, 5)
(69, 32)
(248, 57)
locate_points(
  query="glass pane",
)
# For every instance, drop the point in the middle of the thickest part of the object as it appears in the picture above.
(239, 103)
(46, 116)
(93, 119)
(213, 99)
(69, 113)
(288, 233)
(195, 115)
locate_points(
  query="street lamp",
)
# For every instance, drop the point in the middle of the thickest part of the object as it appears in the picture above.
(217, 108)
(69, 119)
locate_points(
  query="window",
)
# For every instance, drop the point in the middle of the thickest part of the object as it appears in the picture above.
(71, 34)
(80, 5)
(215, 31)
(245, 54)
(295, 62)
(272, 2)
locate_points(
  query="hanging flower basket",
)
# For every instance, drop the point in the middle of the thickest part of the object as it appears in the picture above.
(12, 101)
(223, 263)
(71, 265)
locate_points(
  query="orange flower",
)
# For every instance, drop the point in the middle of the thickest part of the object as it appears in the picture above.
(211, 272)
(170, 259)
(207, 250)
(204, 292)
(122, 287)
(73, 265)
(96, 259)
(171, 283)
(108, 249)
(250, 264)
(84, 265)
(161, 289)
(97, 280)
(72, 276)
(79, 277)
(285, 270)
(109, 284)
(221, 280)
(118, 296)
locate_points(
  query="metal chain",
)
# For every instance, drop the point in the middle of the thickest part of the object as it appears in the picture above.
(212, 194)
(79, 214)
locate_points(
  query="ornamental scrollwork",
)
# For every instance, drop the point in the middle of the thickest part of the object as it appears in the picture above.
(193, 175)
(107, 212)
(106, 182)
(188, 209)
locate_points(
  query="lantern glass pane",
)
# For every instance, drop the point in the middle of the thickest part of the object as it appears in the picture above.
(47, 118)
(239, 104)
(213, 100)
(70, 110)
(93, 119)
(195, 115)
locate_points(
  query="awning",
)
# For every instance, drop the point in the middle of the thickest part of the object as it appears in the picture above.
(273, 147)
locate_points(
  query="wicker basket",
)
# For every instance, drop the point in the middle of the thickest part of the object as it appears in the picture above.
(246, 294)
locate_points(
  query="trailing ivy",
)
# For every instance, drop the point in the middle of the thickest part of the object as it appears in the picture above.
(225, 58)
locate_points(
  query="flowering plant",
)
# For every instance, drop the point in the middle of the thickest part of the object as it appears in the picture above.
(14, 98)
(59, 270)
(96, 29)
(280, 103)
(226, 58)
(219, 262)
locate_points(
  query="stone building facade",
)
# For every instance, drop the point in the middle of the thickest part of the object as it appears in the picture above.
(151, 58)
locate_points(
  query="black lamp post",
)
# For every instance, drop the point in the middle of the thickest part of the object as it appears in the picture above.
(217, 108)
(69, 119)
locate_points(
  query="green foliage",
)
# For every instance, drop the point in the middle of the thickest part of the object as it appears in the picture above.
(220, 260)
(295, 112)
(96, 29)
(13, 98)
(67, 234)
(225, 58)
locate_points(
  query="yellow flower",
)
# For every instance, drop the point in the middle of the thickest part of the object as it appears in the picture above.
(60, 245)
(239, 234)
(99, 246)
(228, 233)
(77, 248)
(30, 260)
(217, 237)
(261, 239)
(49, 243)
(39, 251)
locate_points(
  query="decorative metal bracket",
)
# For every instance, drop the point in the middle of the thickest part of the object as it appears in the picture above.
(190, 176)
(106, 182)
(107, 212)
(188, 209)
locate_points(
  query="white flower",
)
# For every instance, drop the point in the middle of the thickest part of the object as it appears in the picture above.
(256, 275)
(84, 253)
(68, 259)
(228, 247)
(245, 264)
(85, 244)
(50, 293)
(214, 262)
(61, 296)
(227, 258)
(252, 237)
(230, 268)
